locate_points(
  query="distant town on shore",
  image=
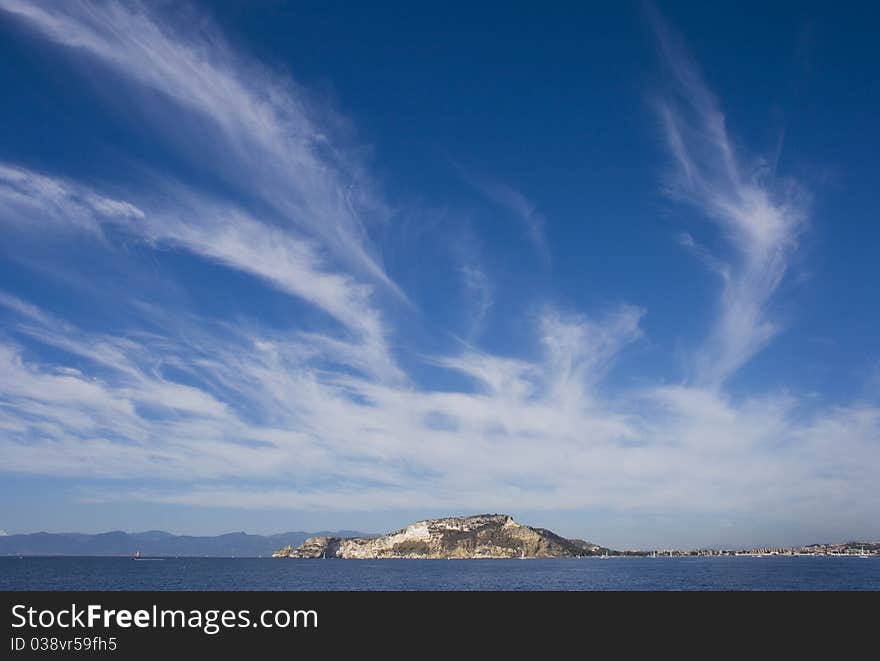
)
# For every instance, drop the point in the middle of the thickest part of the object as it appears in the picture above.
(859, 549)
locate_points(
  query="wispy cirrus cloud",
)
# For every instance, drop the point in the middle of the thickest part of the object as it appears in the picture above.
(255, 407)
(261, 132)
(480, 290)
(760, 217)
(185, 220)
(25, 195)
(515, 203)
(265, 135)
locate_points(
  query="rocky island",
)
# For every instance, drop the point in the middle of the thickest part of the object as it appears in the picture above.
(480, 536)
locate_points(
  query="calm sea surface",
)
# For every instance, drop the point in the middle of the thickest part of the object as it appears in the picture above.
(730, 573)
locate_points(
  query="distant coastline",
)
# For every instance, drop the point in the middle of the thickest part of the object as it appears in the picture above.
(243, 545)
(499, 536)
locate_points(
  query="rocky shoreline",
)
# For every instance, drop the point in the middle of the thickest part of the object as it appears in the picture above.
(480, 536)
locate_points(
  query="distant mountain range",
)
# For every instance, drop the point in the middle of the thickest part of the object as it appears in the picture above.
(156, 543)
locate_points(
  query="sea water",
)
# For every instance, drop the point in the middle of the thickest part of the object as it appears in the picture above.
(615, 573)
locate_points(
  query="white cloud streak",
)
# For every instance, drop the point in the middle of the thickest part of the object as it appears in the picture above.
(217, 232)
(760, 219)
(518, 205)
(480, 290)
(25, 195)
(267, 137)
(271, 142)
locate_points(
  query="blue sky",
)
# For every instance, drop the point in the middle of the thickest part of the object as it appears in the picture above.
(284, 266)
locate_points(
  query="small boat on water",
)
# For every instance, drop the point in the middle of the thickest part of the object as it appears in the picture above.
(137, 556)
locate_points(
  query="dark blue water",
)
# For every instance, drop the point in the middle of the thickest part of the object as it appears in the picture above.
(725, 573)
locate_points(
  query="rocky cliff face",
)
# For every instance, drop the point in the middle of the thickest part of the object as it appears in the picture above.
(481, 536)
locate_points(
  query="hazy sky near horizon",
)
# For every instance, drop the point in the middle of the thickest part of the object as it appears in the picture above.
(294, 266)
